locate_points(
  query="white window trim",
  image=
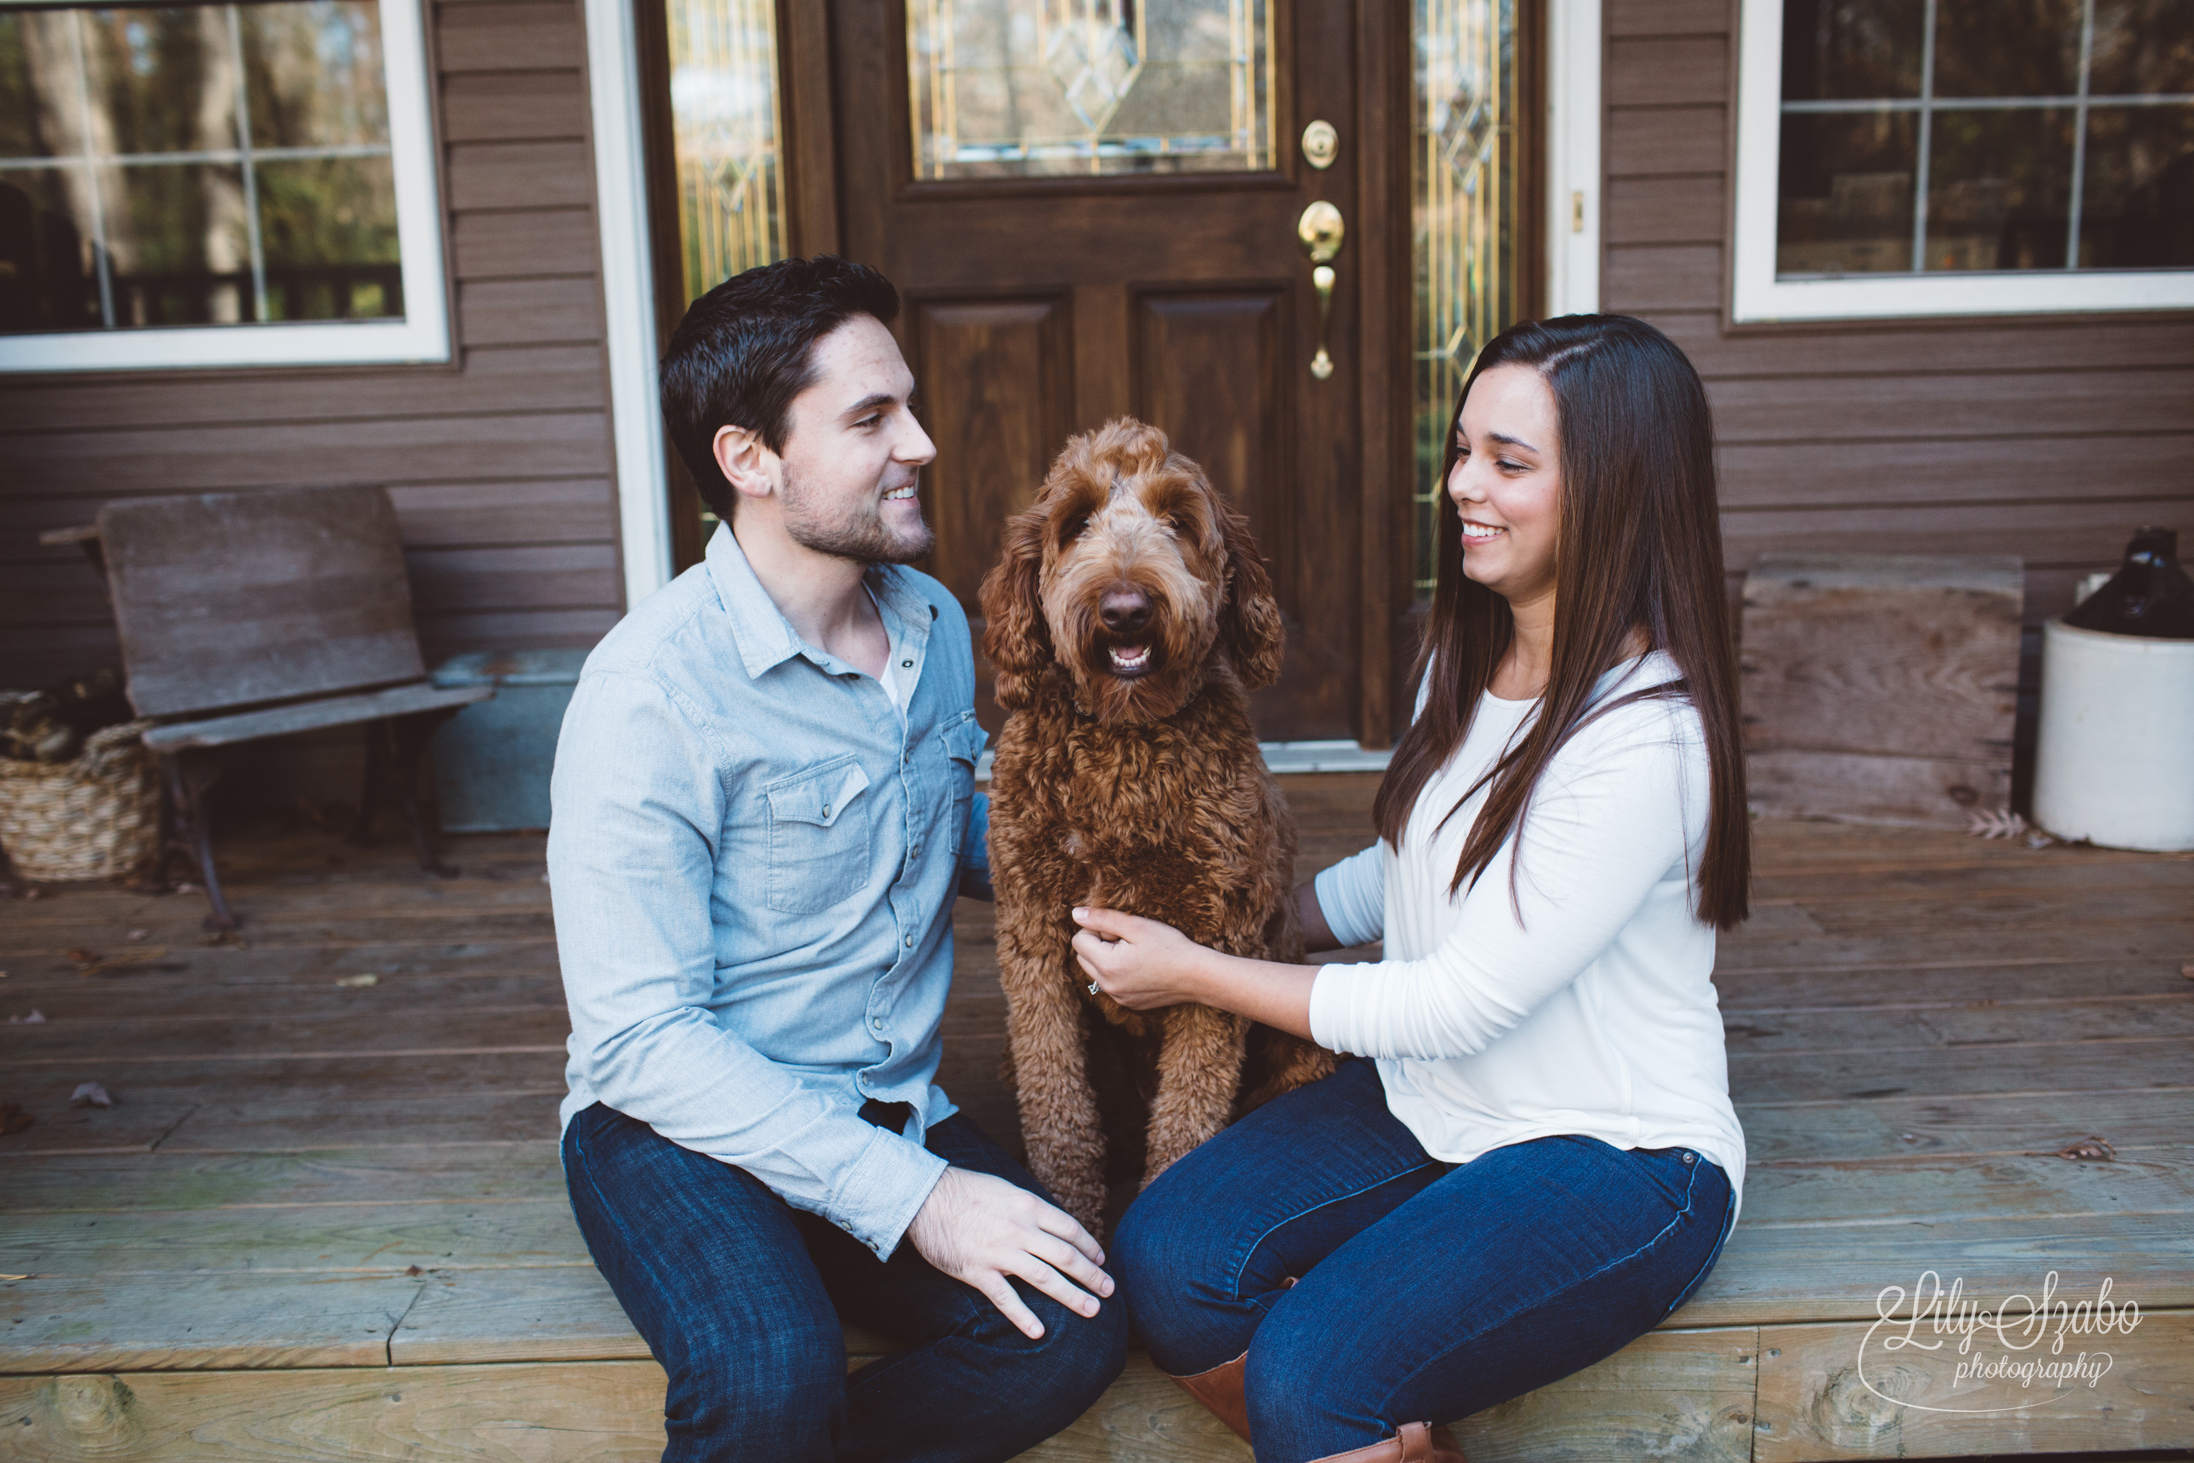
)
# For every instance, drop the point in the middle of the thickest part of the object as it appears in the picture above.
(1758, 296)
(422, 336)
(1574, 125)
(628, 304)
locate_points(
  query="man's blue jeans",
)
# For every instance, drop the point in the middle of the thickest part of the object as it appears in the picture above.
(742, 1299)
(1424, 1291)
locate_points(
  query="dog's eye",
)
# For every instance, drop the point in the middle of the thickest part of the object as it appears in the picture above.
(1072, 528)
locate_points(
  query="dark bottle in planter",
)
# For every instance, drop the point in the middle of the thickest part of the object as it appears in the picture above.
(2150, 595)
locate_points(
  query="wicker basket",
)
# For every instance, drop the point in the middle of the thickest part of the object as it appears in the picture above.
(97, 817)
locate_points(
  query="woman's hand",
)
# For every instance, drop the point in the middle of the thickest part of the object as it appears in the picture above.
(1138, 962)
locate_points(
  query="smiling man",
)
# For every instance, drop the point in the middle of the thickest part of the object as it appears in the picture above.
(763, 810)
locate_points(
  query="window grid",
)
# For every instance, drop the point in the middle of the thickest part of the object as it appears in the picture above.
(1926, 105)
(244, 154)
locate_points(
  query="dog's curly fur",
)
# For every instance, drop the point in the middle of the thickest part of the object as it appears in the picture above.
(1134, 785)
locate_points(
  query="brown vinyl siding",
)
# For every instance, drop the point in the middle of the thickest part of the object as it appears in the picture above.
(2048, 438)
(499, 466)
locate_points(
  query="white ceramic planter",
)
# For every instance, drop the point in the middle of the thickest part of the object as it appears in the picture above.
(2115, 760)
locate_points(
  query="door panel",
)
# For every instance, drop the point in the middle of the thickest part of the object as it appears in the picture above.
(993, 376)
(1044, 300)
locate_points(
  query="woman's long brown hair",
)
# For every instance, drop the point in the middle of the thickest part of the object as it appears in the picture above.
(1638, 547)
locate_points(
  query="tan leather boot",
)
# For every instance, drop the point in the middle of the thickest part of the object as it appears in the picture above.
(1417, 1442)
(1220, 1389)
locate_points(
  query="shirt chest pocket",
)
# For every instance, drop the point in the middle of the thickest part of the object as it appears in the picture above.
(818, 837)
(964, 741)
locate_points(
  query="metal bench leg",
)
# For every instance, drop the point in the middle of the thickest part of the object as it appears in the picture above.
(188, 775)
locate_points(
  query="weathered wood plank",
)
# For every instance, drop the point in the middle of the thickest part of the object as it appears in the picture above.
(1970, 1024)
(1772, 1274)
(1677, 1394)
(190, 1322)
(1897, 988)
(1925, 1128)
(1876, 787)
(1947, 1191)
(1820, 1398)
(563, 1313)
(72, 1043)
(396, 1172)
(1853, 1075)
(609, 1413)
(296, 1239)
(1924, 949)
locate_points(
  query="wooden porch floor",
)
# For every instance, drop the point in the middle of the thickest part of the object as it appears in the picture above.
(324, 1218)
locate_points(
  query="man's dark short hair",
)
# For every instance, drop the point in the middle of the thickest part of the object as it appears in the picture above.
(746, 349)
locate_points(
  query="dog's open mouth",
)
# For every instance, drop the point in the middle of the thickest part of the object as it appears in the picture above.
(1130, 661)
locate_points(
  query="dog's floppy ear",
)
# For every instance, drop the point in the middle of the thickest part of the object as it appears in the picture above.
(1016, 641)
(1249, 621)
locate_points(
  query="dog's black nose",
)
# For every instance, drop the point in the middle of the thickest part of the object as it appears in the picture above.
(1124, 610)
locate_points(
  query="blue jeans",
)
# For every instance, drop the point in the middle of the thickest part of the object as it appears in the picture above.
(1424, 1291)
(742, 1298)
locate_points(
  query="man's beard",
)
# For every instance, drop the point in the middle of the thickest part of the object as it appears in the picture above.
(860, 535)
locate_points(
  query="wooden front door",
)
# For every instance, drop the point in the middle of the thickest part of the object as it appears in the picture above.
(1092, 208)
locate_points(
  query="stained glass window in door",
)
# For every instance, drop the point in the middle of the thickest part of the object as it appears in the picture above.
(1034, 88)
(725, 129)
(1464, 216)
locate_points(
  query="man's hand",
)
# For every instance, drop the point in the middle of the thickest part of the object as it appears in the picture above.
(980, 1229)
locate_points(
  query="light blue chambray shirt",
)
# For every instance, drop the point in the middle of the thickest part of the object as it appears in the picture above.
(753, 859)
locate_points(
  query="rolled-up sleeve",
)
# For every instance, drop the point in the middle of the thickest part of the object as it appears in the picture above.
(975, 849)
(638, 800)
(1352, 896)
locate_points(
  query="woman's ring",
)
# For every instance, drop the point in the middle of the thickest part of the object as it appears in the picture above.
(1093, 988)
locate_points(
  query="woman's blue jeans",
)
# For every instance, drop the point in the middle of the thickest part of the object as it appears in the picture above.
(1424, 1291)
(743, 1299)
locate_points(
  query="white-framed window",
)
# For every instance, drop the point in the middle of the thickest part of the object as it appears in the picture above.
(1963, 157)
(233, 183)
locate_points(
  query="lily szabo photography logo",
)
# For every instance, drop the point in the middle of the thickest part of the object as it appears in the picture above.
(2021, 1353)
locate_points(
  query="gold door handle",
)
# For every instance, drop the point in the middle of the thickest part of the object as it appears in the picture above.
(1321, 230)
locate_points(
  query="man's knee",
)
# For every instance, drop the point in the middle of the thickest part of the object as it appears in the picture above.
(1062, 1375)
(786, 1385)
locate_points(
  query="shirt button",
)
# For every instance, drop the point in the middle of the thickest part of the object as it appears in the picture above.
(877, 1022)
(910, 942)
(906, 665)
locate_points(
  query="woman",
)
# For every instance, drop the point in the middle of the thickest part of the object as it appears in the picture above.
(1540, 1162)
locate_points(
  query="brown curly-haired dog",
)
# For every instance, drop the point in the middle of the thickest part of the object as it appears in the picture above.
(1126, 623)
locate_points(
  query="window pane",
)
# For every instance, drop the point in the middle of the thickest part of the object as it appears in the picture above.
(724, 120)
(178, 243)
(161, 80)
(1852, 49)
(2142, 47)
(1846, 203)
(314, 74)
(46, 278)
(41, 106)
(1020, 88)
(1464, 205)
(328, 230)
(1999, 189)
(2138, 208)
(2007, 48)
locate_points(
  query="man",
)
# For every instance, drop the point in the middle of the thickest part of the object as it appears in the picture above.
(764, 810)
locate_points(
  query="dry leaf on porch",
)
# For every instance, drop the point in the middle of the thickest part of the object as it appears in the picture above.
(2002, 823)
(90, 1094)
(361, 980)
(2090, 1149)
(35, 1018)
(13, 1119)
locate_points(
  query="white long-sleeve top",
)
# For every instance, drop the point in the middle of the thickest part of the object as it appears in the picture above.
(1584, 1002)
